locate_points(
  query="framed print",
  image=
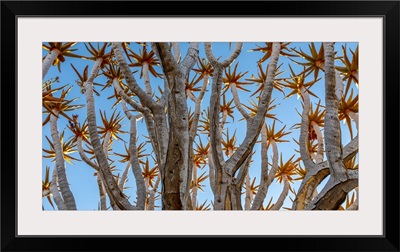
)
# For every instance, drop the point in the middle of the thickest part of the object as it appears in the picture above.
(199, 125)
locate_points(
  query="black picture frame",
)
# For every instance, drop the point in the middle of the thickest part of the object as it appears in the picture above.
(11, 10)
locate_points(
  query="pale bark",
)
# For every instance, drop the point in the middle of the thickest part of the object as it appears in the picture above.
(333, 144)
(249, 195)
(126, 98)
(130, 80)
(237, 102)
(320, 152)
(100, 182)
(103, 200)
(304, 129)
(190, 58)
(48, 61)
(83, 155)
(223, 120)
(274, 168)
(56, 194)
(309, 184)
(354, 206)
(339, 86)
(112, 188)
(263, 187)
(268, 177)
(211, 173)
(246, 147)
(154, 134)
(353, 116)
(146, 78)
(194, 189)
(196, 113)
(185, 67)
(177, 51)
(153, 193)
(190, 95)
(317, 174)
(222, 179)
(106, 143)
(334, 192)
(282, 197)
(134, 160)
(178, 153)
(215, 132)
(124, 176)
(66, 193)
(226, 171)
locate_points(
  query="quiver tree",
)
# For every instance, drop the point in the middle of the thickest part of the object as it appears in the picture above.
(186, 105)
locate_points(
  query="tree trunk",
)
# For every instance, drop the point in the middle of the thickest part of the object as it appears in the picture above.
(282, 197)
(48, 61)
(333, 143)
(56, 194)
(103, 205)
(112, 188)
(66, 193)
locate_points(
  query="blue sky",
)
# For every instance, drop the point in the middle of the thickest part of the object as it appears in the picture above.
(82, 181)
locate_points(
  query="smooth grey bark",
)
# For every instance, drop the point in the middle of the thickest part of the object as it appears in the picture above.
(153, 192)
(222, 179)
(341, 180)
(56, 194)
(103, 205)
(83, 155)
(282, 196)
(48, 61)
(304, 128)
(263, 187)
(134, 160)
(249, 194)
(225, 171)
(130, 80)
(111, 187)
(246, 147)
(124, 176)
(68, 197)
(266, 177)
(194, 189)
